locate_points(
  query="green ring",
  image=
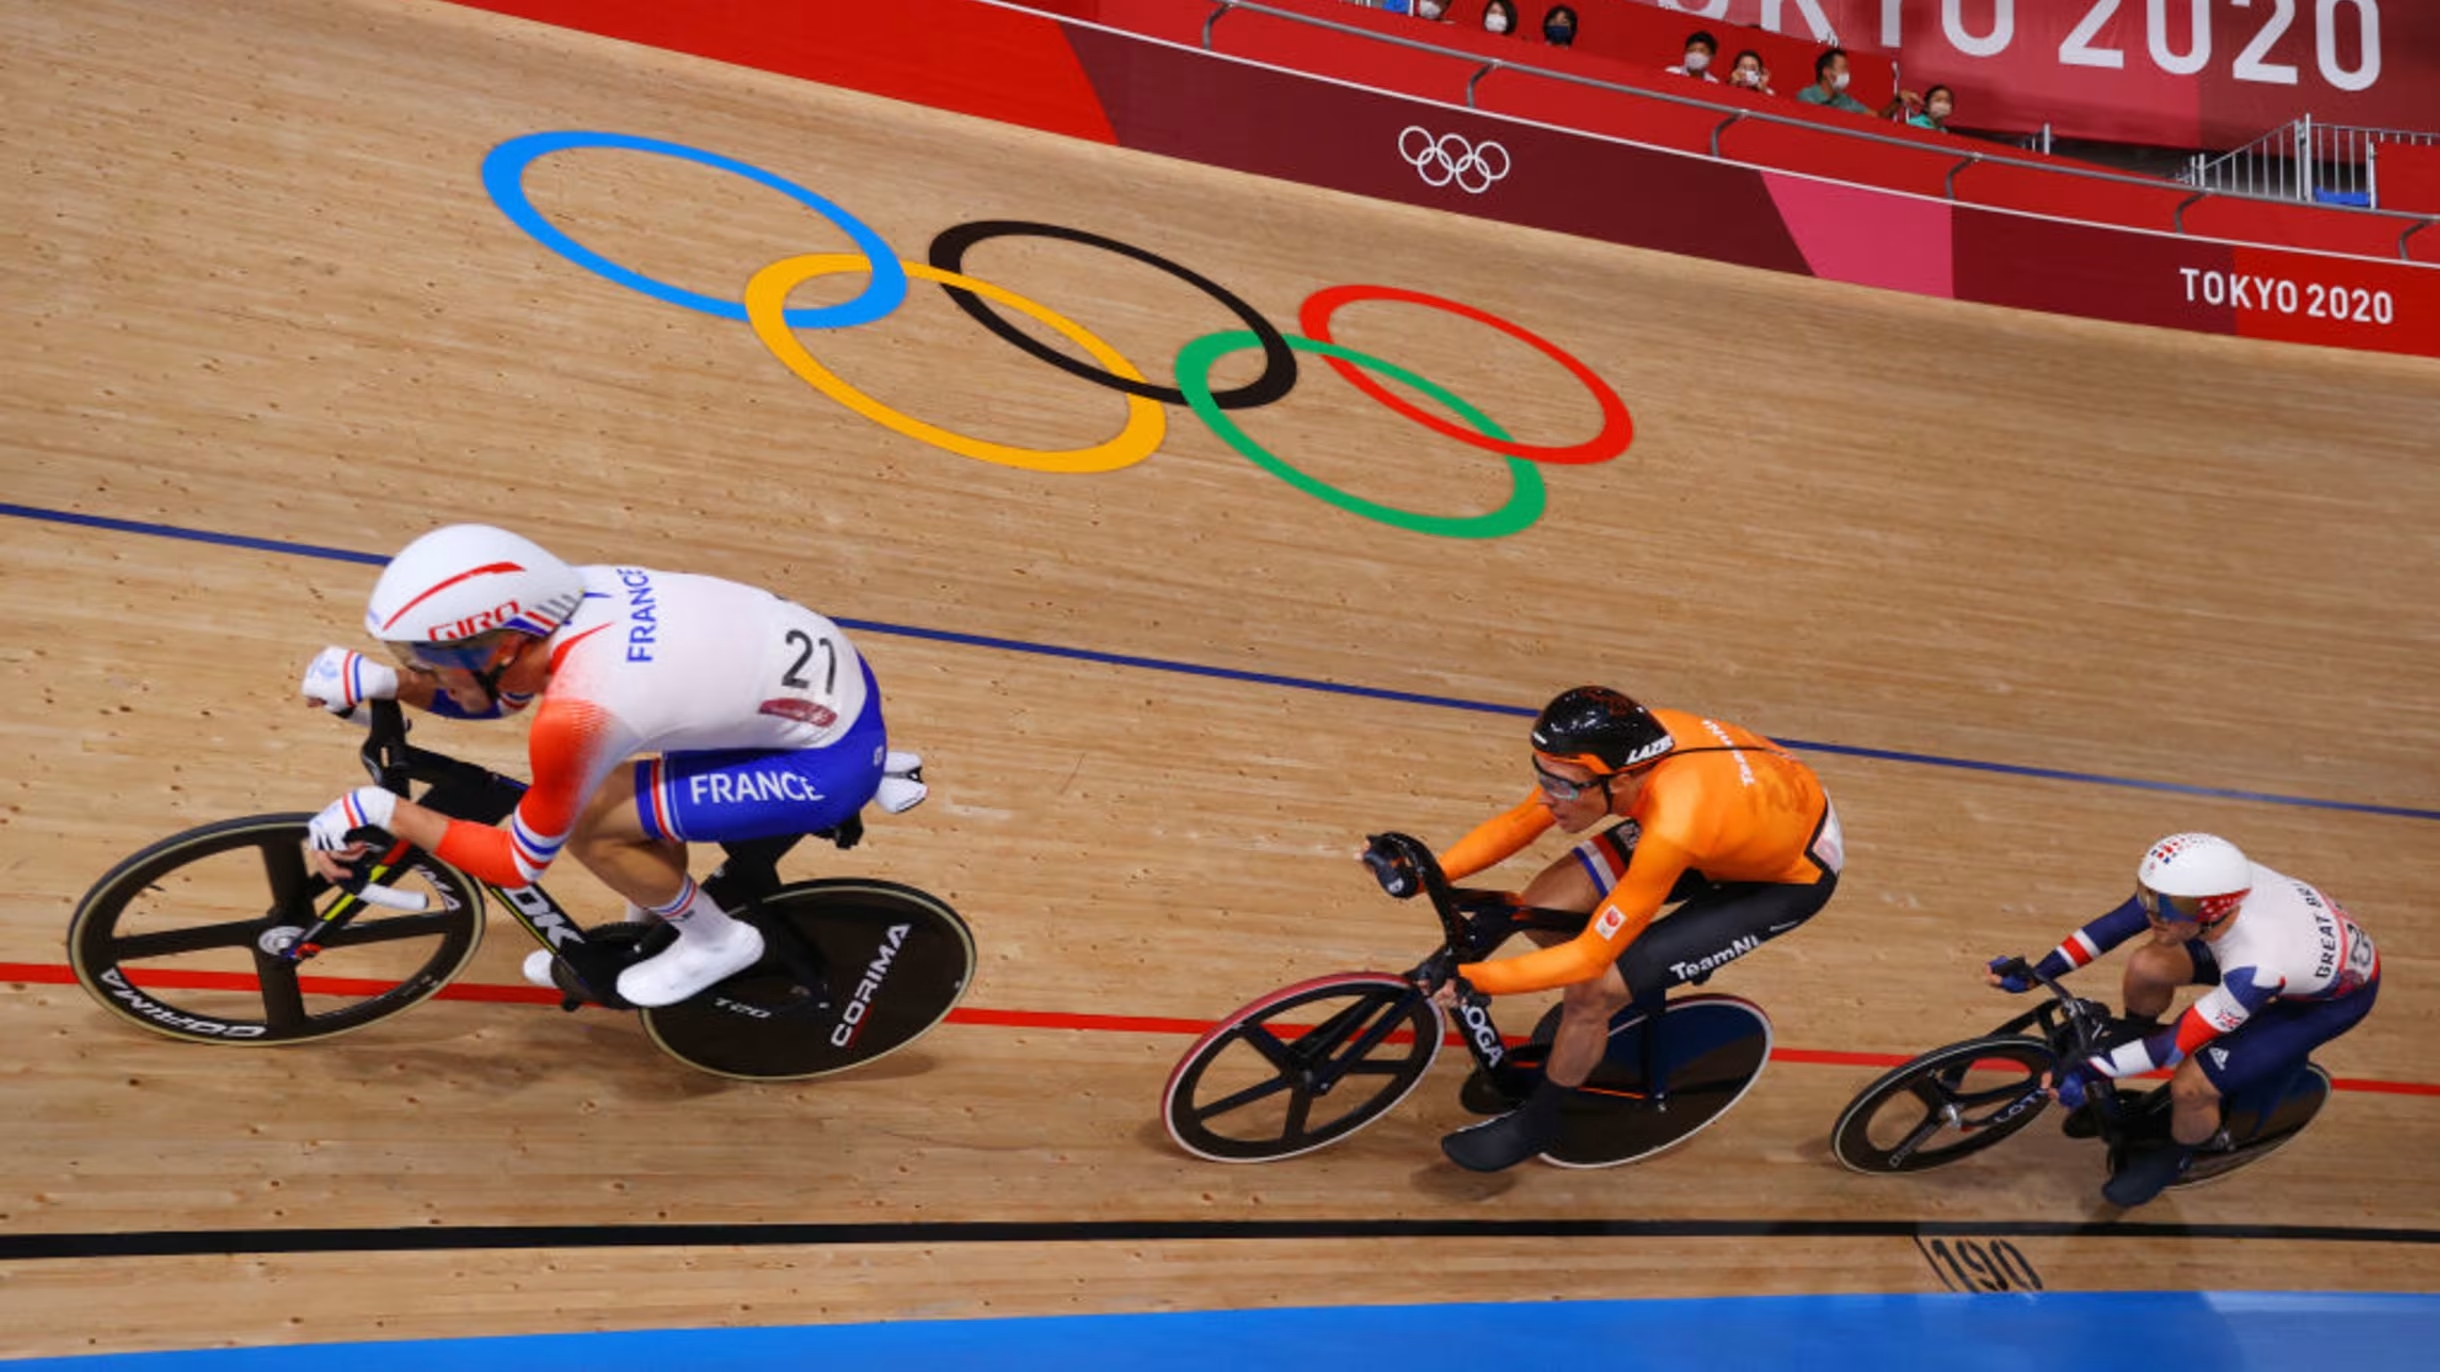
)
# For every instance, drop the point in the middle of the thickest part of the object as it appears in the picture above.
(1194, 378)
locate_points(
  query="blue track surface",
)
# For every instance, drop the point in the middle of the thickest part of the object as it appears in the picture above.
(2084, 1332)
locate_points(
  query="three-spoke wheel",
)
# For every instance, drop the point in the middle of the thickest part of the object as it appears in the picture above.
(189, 938)
(1302, 1068)
(1948, 1104)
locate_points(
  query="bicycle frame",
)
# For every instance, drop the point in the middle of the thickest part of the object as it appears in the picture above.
(1473, 924)
(463, 790)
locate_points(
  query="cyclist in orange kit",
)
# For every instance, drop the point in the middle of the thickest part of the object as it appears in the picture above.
(1714, 819)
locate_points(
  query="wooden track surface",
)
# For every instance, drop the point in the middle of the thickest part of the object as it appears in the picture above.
(253, 286)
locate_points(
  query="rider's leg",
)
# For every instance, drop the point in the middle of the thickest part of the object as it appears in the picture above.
(2152, 979)
(1584, 1026)
(2194, 1105)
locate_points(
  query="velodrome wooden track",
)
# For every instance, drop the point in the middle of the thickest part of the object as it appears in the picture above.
(253, 286)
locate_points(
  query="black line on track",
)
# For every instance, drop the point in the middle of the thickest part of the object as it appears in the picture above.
(187, 1243)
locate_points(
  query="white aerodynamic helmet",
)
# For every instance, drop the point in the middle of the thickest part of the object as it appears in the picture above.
(465, 581)
(2199, 877)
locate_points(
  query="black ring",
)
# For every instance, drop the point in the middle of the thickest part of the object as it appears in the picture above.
(1278, 361)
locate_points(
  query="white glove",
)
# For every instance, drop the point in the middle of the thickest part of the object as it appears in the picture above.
(363, 808)
(340, 680)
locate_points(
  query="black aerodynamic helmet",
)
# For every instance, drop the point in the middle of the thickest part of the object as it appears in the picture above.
(1596, 727)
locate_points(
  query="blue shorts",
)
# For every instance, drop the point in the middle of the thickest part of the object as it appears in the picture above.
(735, 794)
(2277, 1039)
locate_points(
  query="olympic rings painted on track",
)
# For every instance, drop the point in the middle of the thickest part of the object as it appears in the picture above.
(1278, 363)
(765, 307)
(1617, 426)
(767, 294)
(504, 176)
(1524, 501)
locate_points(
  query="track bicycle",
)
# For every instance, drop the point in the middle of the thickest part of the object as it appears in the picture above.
(1311, 1064)
(1956, 1101)
(207, 936)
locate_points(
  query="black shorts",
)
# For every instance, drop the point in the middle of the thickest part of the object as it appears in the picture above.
(1714, 923)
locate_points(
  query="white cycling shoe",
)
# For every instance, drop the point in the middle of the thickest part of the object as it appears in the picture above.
(538, 969)
(690, 965)
(902, 787)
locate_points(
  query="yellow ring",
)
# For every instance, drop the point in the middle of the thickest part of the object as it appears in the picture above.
(766, 306)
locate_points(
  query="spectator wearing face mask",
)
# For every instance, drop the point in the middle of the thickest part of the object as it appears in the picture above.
(1500, 16)
(1932, 110)
(1829, 86)
(1431, 10)
(1559, 27)
(1701, 47)
(1748, 73)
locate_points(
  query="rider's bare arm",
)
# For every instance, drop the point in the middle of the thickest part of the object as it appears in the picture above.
(1496, 839)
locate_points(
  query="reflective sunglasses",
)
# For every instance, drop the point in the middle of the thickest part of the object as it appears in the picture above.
(2162, 909)
(464, 655)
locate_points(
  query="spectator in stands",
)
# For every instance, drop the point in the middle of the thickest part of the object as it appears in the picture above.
(1431, 10)
(1829, 86)
(1500, 16)
(1750, 74)
(1559, 27)
(1701, 47)
(1932, 111)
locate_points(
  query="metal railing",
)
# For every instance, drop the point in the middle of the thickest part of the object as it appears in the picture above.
(1733, 116)
(2306, 161)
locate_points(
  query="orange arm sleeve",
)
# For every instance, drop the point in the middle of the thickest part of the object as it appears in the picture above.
(1496, 840)
(481, 852)
(1617, 922)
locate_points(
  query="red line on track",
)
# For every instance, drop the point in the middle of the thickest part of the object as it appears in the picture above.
(52, 974)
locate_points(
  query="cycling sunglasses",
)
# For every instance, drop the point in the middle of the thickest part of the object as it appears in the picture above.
(464, 655)
(2160, 909)
(1562, 788)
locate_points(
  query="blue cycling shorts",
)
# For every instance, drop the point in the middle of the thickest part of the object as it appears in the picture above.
(730, 795)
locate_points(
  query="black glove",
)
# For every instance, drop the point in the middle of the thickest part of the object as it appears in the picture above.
(1393, 868)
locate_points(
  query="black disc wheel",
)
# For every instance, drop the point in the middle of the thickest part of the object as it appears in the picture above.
(896, 959)
(1302, 1068)
(1707, 1051)
(2260, 1133)
(188, 938)
(1948, 1104)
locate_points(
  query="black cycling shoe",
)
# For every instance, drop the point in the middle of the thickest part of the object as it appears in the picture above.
(2146, 1174)
(1500, 1090)
(1496, 1145)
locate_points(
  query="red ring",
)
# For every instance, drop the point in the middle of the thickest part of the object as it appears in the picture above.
(1617, 426)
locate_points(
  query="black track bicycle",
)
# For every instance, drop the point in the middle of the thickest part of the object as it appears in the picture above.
(1954, 1102)
(1310, 1064)
(209, 935)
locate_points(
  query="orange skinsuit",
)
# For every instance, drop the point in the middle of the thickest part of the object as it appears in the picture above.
(1744, 812)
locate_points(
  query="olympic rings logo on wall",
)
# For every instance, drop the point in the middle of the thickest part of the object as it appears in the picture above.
(1475, 167)
(765, 308)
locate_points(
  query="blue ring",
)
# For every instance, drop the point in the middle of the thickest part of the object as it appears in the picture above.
(504, 177)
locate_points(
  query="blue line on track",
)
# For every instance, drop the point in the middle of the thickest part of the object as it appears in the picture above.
(1154, 664)
(2133, 1331)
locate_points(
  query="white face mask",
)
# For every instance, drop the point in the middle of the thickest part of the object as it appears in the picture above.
(1697, 60)
(1940, 111)
(1429, 9)
(1749, 78)
(1839, 82)
(1497, 23)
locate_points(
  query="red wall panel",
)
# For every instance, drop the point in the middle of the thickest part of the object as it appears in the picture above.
(2407, 177)
(2299, 226)
(1348, 56)
(2071, 197)
(1570, 105)
(1840, 156)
